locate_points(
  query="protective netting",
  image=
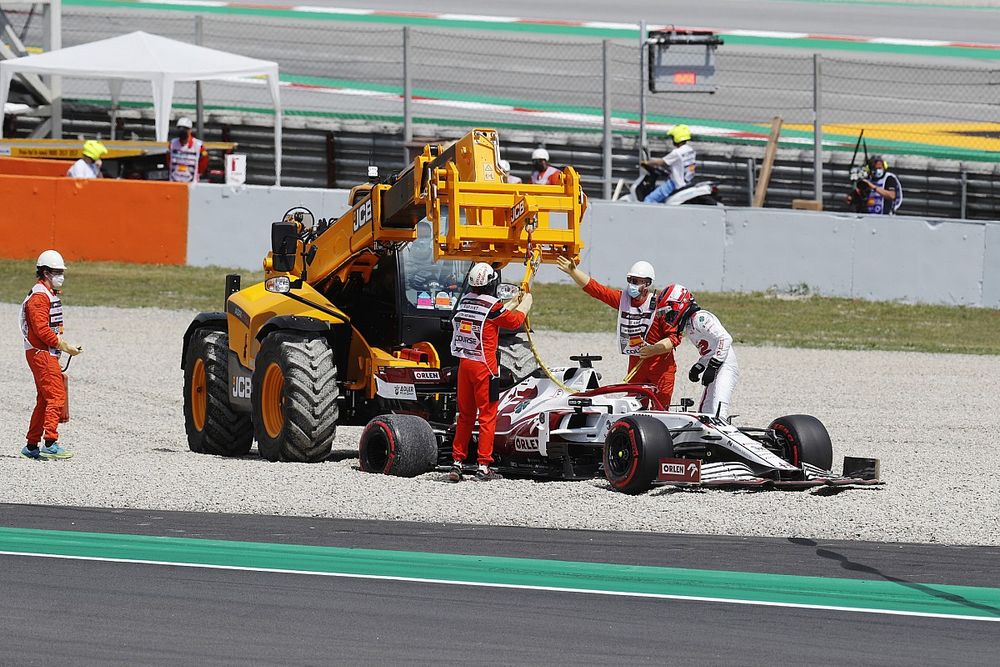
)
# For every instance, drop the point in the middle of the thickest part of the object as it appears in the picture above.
(461, 77)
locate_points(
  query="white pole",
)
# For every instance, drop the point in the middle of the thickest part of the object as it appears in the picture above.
(52, 41)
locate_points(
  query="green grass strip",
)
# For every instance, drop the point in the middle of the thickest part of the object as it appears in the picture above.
(793, 318)
(850, 594)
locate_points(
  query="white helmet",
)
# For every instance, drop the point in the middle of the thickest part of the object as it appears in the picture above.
(540, 154)
(481, 275)
(184, 121)
(642, 269)
(51, 260)
(504, 165)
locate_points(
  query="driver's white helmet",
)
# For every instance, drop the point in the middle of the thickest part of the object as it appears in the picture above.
(50, 259)
(641, 269)
(481, 275)
(540, 154)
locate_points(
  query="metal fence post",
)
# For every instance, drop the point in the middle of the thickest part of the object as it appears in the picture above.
(750, 181)
(642, 89)
(606, 93)
(817, 130)
(407, 97)
(965, 194)
(199, 103)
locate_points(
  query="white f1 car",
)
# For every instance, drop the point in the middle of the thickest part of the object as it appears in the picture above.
(623, 431)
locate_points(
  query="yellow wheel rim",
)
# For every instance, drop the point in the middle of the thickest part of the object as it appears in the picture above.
(270, 400)
(199, 395)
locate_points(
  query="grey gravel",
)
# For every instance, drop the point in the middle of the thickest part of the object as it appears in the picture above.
(933, 420)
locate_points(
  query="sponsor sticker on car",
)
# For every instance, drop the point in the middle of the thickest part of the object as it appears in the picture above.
(686, 471)
(427, 376)
(523, 444)
(395, 390)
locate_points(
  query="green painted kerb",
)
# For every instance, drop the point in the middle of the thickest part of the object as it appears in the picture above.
(728, 586)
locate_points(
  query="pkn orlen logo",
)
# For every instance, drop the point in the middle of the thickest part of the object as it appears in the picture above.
(679, 470)
(672, 468)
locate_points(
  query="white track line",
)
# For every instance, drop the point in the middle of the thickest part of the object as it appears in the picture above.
(526, 587)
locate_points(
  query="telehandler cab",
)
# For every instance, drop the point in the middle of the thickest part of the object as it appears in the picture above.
(353, 318)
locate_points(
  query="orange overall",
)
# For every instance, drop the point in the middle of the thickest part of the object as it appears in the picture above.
(42, 319)
(474, 388)
(659, 370)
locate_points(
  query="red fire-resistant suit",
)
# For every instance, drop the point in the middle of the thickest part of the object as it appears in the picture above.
(42, 339)
(474, 388)
(658, 370)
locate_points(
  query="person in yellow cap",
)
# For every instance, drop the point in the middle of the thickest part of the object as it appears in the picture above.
(680, 161)
(89, 166)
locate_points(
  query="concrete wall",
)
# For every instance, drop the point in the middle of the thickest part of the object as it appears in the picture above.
(913, 260)
(991, 267)
(232, 227)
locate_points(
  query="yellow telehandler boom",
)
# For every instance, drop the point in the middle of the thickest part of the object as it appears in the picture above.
(475, 215)
(353, 318)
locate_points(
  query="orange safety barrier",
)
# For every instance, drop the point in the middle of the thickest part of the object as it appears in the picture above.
(141, 222)
(21, 166)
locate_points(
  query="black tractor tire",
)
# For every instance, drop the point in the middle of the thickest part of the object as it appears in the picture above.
(399, 445)
(211, 423)
(806, 440)
(516, 359)
(294, 399)
(632, 452)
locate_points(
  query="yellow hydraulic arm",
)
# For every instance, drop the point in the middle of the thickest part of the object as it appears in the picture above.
(476, 215)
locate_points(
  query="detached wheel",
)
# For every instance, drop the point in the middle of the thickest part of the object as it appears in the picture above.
(805, 440)
(400, 445)
(212, 425)
(632, 451)
(294, 399)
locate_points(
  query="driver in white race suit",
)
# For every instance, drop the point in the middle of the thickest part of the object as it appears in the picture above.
(716, 366)
(680, 161)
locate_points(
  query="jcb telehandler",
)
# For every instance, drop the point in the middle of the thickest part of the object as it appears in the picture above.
(353, 318)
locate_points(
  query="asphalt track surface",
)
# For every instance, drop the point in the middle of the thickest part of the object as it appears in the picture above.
(348, 69)
(962, 21)
(115, 613)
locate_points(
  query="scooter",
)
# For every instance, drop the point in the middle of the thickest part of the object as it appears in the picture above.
(705, 193)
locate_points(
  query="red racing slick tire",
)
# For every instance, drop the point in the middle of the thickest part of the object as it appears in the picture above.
(806, 440)
(400, 445)
(632, 451)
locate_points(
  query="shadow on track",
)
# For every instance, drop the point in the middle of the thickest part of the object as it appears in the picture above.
(847, 564)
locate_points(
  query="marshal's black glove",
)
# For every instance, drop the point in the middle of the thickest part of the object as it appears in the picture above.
(713, 367)
(695, 372)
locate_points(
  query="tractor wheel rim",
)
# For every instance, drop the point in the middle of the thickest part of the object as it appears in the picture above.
(272, 393)
(199, 395)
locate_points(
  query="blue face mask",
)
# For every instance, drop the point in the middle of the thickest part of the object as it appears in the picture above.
(633, 291)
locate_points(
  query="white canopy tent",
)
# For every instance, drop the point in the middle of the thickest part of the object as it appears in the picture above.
(161, 61)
